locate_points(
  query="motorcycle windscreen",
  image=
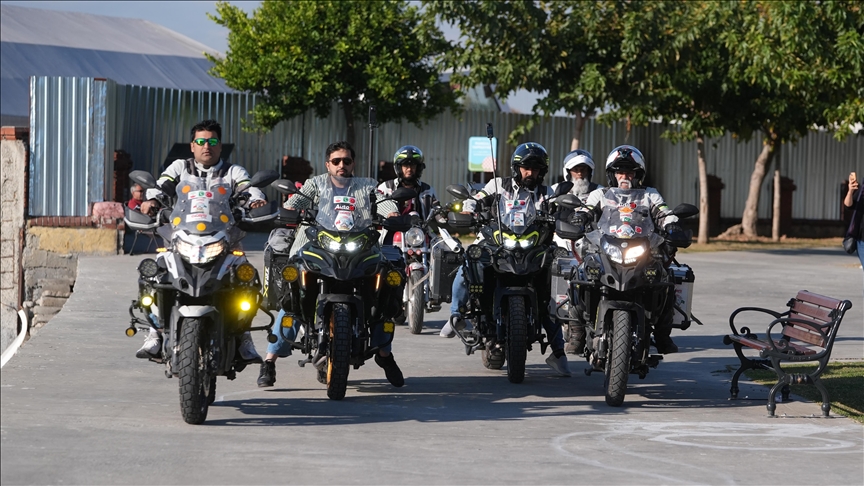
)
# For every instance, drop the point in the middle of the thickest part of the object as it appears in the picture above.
(626, 214)
(517, 211)
(202, 210)
(342, 210)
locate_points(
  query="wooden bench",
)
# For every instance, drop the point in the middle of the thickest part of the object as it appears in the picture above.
(804, 333)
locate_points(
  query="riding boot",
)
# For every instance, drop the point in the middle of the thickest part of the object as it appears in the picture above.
(663, 341)
(391, 369)
(576, 343)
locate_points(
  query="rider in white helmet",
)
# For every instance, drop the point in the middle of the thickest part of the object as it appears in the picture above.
(578, 169)
(625, 168)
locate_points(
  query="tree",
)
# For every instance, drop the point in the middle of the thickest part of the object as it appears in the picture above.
(298, 55)
(558, 49)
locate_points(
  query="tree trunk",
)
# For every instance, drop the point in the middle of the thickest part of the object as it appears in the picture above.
(751, 214)
(775, 213)
(703, 190)
(577, 133)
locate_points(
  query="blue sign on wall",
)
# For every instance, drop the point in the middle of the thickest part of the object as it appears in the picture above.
(480, 153)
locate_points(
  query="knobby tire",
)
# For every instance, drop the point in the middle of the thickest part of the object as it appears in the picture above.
(338, 351)
(197, 386)
(517, 339)
(618, 367)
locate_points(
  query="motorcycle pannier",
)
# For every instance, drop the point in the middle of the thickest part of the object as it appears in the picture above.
(684, 280)
(562, 269)
(444, 266)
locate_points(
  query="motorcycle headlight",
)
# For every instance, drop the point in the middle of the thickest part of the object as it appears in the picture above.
(336, 244)
(509, 244)
(631, 254)
(415, 237)
(200, 253)
(528, 241)
(613, 251)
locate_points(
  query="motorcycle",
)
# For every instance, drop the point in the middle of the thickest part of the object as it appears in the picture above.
(627, 273)
(501, 271)
(200, 290)
(340, 285)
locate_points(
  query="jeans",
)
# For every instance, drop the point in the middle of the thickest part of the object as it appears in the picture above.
(860, 252)
(460, 298)
(282, 348)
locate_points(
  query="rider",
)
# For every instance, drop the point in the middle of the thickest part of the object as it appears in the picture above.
(409, 164)
(578, 169)
(340, 166)
(206, 162)
(625, 169)
(529, 164)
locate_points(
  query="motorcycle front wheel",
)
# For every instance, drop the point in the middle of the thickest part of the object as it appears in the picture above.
(338, 351)
(197, 385)
(517, 339)
(618, 364)
(415, 304)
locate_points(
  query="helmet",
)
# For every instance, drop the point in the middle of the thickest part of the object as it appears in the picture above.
(409, 154)
(577, 157)
(625, 157)
(531, 156)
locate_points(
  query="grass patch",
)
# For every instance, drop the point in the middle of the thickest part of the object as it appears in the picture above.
(844, 381)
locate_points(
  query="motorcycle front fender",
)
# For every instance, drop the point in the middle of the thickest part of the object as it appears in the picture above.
(196, 310)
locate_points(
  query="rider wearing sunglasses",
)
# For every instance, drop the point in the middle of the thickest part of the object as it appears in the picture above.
(206, 162)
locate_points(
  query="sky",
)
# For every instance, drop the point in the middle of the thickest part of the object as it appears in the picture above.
(190, 19)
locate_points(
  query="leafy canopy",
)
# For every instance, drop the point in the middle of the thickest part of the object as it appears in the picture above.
(298, 55)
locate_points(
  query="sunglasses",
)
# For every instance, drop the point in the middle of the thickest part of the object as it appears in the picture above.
(201, 141)
(341, 161)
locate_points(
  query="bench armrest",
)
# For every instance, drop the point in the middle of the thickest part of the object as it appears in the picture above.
(744, 330)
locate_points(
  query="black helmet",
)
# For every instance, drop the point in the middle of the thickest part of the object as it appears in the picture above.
(626, 157)
(409, 154)
(531, 156)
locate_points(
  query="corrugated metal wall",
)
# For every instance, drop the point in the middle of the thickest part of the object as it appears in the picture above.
(78, 122)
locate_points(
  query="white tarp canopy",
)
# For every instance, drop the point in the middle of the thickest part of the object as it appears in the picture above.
(37, 42)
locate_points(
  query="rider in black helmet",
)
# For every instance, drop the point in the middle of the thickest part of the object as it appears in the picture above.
(625, 168)
(529, 163)
(409, 163)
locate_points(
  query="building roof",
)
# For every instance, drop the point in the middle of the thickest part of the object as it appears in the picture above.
(37, 42)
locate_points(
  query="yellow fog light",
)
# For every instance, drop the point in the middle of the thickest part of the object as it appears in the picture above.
(290, 274)
(238, 253)
(245, 272)
(287, 321)
(389, 327)
(131, 331)
(394, 278)
(146, 301)
(245, 305)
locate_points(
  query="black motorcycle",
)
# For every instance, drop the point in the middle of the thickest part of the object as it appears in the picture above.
(339, 285)
(506, 271)
(622, 288)
(200, 290)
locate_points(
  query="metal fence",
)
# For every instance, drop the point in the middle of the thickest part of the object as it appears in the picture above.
(77, 123)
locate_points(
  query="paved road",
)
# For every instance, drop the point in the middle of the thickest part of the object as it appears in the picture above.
(78, 408)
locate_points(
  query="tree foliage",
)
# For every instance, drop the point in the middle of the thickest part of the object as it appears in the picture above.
(298, 55)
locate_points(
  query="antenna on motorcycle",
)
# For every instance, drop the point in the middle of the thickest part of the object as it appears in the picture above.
(373, 166)
(490, 136)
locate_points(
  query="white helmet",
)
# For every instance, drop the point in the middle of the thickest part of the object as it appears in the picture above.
(577, 157)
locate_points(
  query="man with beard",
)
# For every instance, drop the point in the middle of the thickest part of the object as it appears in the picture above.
(578, 169)
(338, 181)
(409, 164)
(529, 164)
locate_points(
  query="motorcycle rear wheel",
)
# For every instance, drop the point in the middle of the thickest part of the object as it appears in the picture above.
(618, 364)
(197, 386)
(338, 351)
(415, 304)
(517, 339)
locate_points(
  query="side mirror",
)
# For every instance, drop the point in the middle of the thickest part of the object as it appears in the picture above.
(284, 186)
(262, 178)
(563, 188)
(458, 191)
(144, 178)
(403, 194)
(685, 210)
(568, 201)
